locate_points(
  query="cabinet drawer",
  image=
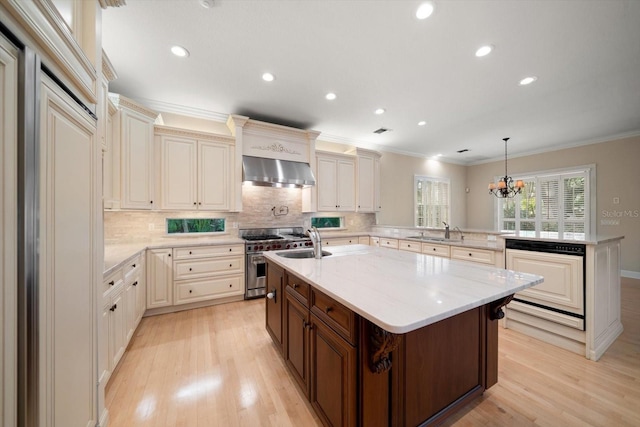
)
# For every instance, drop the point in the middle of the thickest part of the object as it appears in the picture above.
(337, 316)
(389, 243)
(474, 255)
(299, 288)
(340, 241)
(192, 269)
(436, 250)
(407, 245)
(375, 241)
(112, 280)
(206, 289)
(207, 251)
(132, 267)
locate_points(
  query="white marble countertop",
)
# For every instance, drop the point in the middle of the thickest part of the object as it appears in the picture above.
(404, 291)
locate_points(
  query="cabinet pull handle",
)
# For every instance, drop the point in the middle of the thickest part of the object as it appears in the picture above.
(328, 310)
(135, 283)
(113, 307)
(111, 283)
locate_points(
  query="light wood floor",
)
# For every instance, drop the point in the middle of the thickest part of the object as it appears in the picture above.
(216, 366)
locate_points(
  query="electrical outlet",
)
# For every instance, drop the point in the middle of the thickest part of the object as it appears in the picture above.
(491, 238)
(616, 200)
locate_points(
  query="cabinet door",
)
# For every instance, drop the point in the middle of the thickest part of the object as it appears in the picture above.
(141, 295)
(69, 208)
(104, 337)
(346, 185)
(117, 327)
(213, 176)
(296, 343)
(333, 376)
(274, 304)
(366, 184)
(327, 185)
(136, 136)
(159, 278)
(8, 233)
(178, 173)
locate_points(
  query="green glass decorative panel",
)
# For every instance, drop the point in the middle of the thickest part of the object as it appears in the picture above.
(195, 225)
(328, 222)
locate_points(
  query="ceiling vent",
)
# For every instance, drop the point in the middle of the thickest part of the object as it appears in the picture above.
(464, 150)
(381, 130)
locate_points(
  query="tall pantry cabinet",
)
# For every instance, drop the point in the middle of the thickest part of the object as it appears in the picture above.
(51, 239)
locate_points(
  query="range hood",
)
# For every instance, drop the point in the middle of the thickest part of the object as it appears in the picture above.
(276, 173)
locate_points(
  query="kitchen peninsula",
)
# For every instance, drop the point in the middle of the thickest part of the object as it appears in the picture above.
(378, 337)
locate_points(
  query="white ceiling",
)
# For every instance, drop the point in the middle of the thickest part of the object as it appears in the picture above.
(586, 55)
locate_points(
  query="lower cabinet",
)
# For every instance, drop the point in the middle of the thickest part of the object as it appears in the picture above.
(117, 327)
(333, 375)
(319, 337)
(160, 278)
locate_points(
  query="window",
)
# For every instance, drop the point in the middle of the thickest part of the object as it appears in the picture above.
(327, 222)
(195, 225)
(431, 206)
(554, 204)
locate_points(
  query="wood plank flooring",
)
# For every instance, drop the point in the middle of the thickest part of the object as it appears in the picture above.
(216, 366)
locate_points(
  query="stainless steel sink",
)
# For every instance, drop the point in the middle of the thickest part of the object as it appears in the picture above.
(301, 254)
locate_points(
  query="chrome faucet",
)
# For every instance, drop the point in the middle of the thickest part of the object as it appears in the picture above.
(460, 231)
(316, 240)
(447, 235)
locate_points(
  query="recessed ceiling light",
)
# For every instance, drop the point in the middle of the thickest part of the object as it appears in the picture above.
(179, 51)
(207, 4)
(380, 111)
(330, 96)
(424, 10)
(268, 77)
(422, 123)
(484, 51)
(528, 80)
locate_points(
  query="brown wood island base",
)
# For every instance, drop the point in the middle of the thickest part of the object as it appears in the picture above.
(356, 374)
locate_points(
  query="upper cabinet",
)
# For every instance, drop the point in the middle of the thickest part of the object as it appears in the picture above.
(336, 181)
(133, 126)
(195, 169)
(368, 182)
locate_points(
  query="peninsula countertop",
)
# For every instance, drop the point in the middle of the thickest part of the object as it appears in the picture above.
(404, 291)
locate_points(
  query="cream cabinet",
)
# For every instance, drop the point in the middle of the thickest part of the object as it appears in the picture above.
(159, 278)
(385, 242)
(195, 169)
(409, 246)
(208, 272)
(69, 201)
(364, 240)
(368, 182)
(340, 241)
(436, 250)
(117, 326)
(336, 182)
(134, 284)
(8, 230)
(481, 256)
(134, 126)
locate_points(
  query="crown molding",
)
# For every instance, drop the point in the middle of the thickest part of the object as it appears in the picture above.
(167, 107)
(108, 70)
(202, 136)
(123, 101)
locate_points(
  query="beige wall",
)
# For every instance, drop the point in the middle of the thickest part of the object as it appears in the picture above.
(397, 174)
(617, 175)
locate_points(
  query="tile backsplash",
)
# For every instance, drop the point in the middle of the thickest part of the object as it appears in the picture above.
(262, 207)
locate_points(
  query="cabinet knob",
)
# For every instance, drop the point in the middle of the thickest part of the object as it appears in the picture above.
(470, 254)
(133, 266)
(113, 307)
(111, 283)
(434, 249)
(190, 269)
(190, 252)
(272, 295)
(231, 285)
(135, 283)
(199, 203)
(194, 203)
(190, 291)
(230, 249)
(230, 265)
(295, 286)
(328, 310)
(151, 202)
(168, 254)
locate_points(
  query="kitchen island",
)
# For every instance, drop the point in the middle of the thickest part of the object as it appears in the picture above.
(378, 337)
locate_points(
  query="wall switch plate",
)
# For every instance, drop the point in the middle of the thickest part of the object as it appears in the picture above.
(616, 200)
(491, 238)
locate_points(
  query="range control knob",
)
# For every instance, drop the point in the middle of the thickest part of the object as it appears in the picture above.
(288, 246)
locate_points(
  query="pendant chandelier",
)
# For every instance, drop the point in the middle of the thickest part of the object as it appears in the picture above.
(505, 187)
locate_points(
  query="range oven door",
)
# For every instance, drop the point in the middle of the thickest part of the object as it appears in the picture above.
(256, 276)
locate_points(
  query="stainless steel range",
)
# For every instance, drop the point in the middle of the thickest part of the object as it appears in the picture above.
(259, 240)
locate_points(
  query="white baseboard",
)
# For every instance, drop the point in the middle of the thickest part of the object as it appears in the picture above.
(630, 274)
